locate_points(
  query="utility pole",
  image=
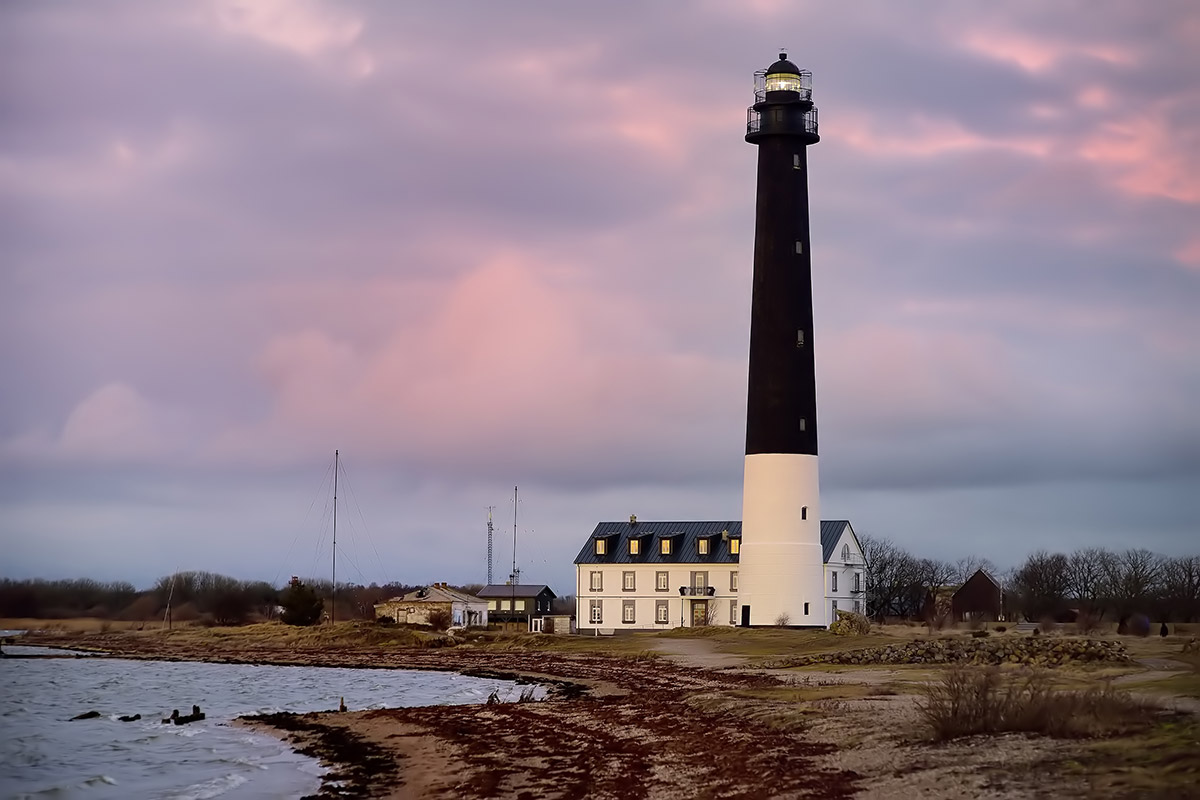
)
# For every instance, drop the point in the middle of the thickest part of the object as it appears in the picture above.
(489, 579)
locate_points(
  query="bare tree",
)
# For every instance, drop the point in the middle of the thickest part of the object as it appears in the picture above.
(1040, 585)
(1181, 588)
(964, 568)
(1132, 577)
(1086, 582)
(895, 586)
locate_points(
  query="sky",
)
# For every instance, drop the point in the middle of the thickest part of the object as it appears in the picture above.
(475, 246)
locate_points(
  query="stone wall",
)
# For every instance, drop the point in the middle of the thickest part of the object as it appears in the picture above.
(1036, 651)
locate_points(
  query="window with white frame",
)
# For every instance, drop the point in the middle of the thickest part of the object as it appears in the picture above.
(627, 611)
(833, 584)
(846, 553)
(733, 581)
(733, 612)
(858, 581)
(661, 612)
(518, 605)
(700, 582)
(628, 581)
(660, 581)
(597, 581)
(505, 605)
(857, 607)
(601, 547)
(835, 605)
(596, 615)
(702, 546)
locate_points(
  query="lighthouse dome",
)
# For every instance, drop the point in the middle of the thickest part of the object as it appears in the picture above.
(783, 67)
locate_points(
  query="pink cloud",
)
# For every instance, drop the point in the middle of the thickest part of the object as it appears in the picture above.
(1152, 155)
(925, 137)
(1038, 54)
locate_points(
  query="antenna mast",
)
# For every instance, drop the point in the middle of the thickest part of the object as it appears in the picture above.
(513, 582)
(489, 580)
(333, 606)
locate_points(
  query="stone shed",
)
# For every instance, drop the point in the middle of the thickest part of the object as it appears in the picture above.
(414, 608)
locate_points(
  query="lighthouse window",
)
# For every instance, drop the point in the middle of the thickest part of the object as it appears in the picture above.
(796, 161)
(804, 512)
(799, 246)
(800, 338)
(806, 609)
(803, 424)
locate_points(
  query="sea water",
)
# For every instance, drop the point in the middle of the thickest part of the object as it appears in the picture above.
(43, 753)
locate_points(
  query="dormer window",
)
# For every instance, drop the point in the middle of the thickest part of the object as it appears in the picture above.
(735, 546)
(702, 546)
(635, 547)
(664, 547)
(601, 547)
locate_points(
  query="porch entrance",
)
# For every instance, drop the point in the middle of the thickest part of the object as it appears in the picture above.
(699, 613)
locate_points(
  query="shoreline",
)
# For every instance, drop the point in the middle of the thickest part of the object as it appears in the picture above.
(610, 726)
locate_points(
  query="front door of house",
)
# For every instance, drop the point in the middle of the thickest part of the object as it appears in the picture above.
(699, 613)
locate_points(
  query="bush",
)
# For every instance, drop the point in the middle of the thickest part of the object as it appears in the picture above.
(1001, 628)
(980, 634)
(974, 701)
(301, 605)
(1087, 622)
(1139, 625)
(783, 620)
(849, 623)
(439, 619)
(1047, 626)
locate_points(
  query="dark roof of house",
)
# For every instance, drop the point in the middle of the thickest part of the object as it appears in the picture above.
(520, 590)
(985, 574)
(831, 531)
(686, 534)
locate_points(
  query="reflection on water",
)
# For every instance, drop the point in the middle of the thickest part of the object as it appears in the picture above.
(43, 753)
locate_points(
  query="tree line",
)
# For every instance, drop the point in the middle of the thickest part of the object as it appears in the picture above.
(189, 596)
(1099, 583)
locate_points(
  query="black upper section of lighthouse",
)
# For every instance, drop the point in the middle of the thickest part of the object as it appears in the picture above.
(781, 412)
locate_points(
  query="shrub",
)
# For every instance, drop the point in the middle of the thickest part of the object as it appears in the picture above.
(301, 605)
(1087, 622)
(849, 623)
(783, 620)
(439, 619)
(973, 701)
(1001, 628)
(1139, 625)
(980, 634)
(1047, 625)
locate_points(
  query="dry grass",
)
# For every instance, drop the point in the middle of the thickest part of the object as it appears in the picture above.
(968, 701)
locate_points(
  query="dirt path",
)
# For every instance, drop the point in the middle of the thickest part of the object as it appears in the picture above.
(700, 653)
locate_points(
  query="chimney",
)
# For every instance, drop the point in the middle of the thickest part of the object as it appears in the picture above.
(633, 519)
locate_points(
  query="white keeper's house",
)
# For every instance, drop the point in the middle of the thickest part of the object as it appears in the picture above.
(654, 575)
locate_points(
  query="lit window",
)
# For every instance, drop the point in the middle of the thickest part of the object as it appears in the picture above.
(664, 547)
(735, 546)
(627, 611)
(702, 546)
(628, 581)
(518, 605)
(660, 611)
(660, 581)
(833, 585)
(733, 581)
(804, 509)
(600, 547)
(597, 581)
(596, 617)
(634, 547)
(505, 605)
(491, 605)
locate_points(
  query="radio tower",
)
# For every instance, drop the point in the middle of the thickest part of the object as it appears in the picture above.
(489, 582)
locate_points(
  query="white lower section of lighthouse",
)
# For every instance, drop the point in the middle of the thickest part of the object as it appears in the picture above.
(781, 568)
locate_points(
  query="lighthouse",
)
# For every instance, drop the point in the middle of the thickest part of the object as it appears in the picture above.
(781, 571)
